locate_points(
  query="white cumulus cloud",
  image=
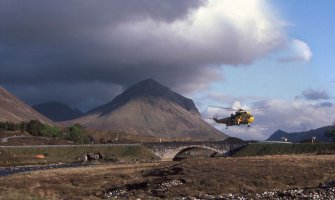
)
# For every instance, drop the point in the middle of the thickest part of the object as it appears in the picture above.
(297, 51)
(219, 32)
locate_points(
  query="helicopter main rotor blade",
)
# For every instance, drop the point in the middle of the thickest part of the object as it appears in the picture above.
(225, 108)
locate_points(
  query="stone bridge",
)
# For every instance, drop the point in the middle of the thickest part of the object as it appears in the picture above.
(167, 151)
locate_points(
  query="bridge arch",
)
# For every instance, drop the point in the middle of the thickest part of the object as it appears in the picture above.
(172, 154)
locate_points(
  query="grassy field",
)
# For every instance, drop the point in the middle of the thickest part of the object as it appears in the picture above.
(255, 168)
(192, 177)
(285, 149)
(15, 156)
(27, 156)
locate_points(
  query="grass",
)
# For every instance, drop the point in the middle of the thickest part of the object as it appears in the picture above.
(13, 156)
(280, 149)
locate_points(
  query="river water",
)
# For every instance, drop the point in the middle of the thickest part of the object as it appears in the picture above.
(5, 171)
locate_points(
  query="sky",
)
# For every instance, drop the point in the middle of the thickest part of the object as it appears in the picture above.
(273, 58)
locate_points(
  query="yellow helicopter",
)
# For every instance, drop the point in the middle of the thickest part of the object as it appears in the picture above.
(240, 117)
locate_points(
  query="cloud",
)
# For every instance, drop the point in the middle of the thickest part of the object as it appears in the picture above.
(182, 44)
(326, 104)
(290, 116)
(297, 51)
(315, 94)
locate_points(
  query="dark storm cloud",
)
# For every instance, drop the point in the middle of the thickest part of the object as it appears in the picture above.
(48, 38)
(82, 95)
(61, 47)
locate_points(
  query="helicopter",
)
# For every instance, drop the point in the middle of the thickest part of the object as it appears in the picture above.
(240, 117)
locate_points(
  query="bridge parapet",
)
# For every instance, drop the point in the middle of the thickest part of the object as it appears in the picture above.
(168, 150)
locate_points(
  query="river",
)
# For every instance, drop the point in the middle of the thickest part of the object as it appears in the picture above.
(5, 171)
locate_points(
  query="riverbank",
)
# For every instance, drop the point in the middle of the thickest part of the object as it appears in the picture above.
(51, 154)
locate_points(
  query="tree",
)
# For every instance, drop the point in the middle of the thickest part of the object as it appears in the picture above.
(34, 127)
(23, 126)
(76, 133)
(50, 131)
(9, 126)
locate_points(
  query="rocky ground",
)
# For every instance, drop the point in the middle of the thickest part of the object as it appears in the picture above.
(324, 191)
(266, 177)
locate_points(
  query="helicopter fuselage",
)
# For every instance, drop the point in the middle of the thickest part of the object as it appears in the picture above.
(240, 117)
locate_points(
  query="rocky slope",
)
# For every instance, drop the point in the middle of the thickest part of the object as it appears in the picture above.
(149, 108)
(14, 110)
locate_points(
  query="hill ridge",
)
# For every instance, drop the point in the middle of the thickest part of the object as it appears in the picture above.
(13, 109)
(320, 134)
(57, 111)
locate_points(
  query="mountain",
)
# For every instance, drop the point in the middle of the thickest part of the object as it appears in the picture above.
(57, 111)
(149, 108)
(14, 110)
(277, 135)
(321, 134)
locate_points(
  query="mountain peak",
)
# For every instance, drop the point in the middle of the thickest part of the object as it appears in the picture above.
(149, 81)
(147, 87)
(147, 90)
(151, 108)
